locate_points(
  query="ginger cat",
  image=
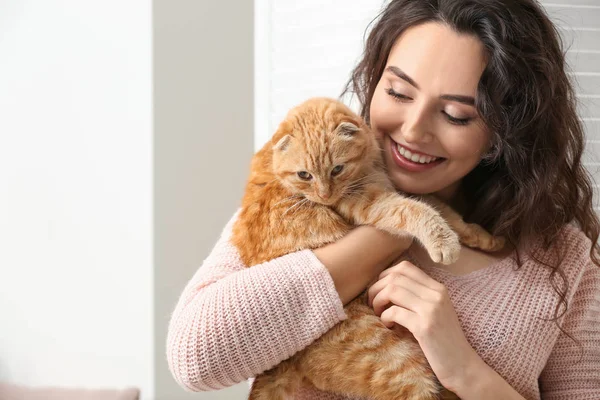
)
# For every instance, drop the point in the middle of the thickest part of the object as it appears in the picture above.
(321, 174)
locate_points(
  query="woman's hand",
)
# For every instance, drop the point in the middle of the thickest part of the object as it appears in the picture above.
(405, 295)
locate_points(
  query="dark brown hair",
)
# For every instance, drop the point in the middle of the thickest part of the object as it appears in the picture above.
(532, 183)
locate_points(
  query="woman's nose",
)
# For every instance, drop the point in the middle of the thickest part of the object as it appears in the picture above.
(416, 127)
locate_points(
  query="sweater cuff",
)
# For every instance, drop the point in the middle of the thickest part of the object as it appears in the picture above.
(326, 287)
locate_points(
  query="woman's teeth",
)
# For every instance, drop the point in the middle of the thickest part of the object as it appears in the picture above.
(421, 159)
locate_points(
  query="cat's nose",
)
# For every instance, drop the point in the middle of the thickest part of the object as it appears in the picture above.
(324, 195)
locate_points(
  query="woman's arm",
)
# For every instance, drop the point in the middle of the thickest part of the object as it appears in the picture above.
(233, 322)
(357, 259)
(480, 381)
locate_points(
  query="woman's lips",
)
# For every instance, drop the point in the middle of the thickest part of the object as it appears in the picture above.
(412, 166)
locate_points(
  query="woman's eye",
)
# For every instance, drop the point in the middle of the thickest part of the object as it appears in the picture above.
(456, 121)
(336, 170)
(396, 95)
(304, 175)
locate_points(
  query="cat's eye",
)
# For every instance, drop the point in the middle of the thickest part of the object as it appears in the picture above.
(336, 170)
(304, 175)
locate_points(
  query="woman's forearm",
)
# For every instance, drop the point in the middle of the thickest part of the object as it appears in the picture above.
(359, 257)
(480, 381)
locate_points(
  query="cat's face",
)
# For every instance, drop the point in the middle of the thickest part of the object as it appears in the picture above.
(320, 150)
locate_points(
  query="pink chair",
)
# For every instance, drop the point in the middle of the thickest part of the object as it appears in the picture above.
(10, 391)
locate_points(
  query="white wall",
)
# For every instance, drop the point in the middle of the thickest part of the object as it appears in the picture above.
(203, 92)
(304, 49)
(75, 193)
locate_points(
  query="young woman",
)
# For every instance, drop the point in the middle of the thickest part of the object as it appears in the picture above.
(472, 103)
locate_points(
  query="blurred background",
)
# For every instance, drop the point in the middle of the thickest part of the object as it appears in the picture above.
(126, 131)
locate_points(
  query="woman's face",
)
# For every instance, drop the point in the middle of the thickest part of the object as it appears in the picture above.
(423, 110)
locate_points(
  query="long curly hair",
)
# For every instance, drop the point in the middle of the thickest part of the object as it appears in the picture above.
(532, 182)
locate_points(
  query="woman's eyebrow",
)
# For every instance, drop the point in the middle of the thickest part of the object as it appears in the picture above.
(468, 100)
(400, 74)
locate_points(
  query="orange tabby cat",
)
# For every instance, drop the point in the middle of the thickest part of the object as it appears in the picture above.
(321, 174)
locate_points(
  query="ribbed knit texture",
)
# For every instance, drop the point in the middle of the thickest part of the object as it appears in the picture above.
(231, 322)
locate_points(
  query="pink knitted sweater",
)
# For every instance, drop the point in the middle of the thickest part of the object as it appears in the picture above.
(231, 323)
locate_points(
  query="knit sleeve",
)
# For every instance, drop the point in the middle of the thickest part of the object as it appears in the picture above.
(232, 323)
(572, 371)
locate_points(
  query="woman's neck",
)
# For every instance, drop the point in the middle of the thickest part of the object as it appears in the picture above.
(453, 196)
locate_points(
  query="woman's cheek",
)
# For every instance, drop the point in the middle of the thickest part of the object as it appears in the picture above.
(467, 146)
(374, 115)
(383, 119)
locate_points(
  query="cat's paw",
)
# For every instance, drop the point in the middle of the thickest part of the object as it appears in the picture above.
(446, 253)
(443, 246)
(476, 237)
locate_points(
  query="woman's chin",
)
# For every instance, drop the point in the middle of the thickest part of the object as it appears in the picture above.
(409, 185)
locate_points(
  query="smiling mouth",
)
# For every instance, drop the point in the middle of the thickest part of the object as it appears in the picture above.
(411, 161)
(415, 157)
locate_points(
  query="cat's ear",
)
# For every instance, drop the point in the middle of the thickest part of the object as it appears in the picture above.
(283, 143)
(347, 129)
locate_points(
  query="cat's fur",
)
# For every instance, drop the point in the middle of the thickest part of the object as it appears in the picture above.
(282, 213)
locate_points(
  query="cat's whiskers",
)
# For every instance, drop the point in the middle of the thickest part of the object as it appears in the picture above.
(361, 180)
(356, 195)
(289, 198)
(358, 184)
(355, 187)
(296, 206)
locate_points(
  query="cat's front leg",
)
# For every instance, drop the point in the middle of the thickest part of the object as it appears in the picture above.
(399, 215)
(471, 235)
